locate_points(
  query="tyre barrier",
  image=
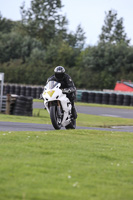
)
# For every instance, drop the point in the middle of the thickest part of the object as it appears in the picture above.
(119, 99)
(107, 98)
(99, 97)
(127, 100)
(91, 97)
(17, 90)
(84, 97)
(112, 99)
(27, 91)
(22, 106)
(23, 90)
(12, 89)
(39, 91)
(131, 101)
(33, 92)
(6, 89)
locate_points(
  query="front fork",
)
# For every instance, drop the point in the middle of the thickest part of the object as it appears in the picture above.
(59, 109)
(56, 103)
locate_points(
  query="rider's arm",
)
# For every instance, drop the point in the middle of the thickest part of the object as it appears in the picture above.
(70, 84)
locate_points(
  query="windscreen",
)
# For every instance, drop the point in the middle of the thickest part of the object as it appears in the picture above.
(51, 84)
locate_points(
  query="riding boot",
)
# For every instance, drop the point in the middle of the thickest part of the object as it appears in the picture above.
(74, 112)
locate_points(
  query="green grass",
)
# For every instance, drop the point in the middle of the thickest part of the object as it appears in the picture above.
(95, 105)
(102, 121)
(66, 165)
(41, 116)
(103, 105)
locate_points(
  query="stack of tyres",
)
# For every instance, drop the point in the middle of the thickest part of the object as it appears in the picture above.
(127, 100)
(112, 99)
(105, 98)
(119, 99)
(12, 89)
(39, 91)
(23, 106)
(23, 90)
(91, 97)
(19, 106)
(17, 89)
(98, 98)
(29, 106)
(131, 101)
(84, 97)
(28, 91)
(6, 89)
(12, 105)
(33, 92)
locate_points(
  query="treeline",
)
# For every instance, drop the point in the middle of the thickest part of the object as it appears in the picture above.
(31, 48)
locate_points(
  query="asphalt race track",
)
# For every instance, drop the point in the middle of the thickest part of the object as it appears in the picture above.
(113, 112)
(13, 126)
(101, 111)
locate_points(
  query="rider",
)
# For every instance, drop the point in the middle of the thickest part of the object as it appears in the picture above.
(66, 84)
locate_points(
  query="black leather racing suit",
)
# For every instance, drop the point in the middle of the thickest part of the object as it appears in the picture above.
(66, 82)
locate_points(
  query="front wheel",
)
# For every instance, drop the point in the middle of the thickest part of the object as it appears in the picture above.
(72, 125)
(56, 121)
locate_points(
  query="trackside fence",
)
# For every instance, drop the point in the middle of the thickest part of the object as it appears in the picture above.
(1, 89)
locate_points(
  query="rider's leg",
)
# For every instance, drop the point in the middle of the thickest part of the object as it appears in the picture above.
(74, 112)
(72, 98)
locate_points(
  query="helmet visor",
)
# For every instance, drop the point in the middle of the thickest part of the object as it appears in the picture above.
(59, 76)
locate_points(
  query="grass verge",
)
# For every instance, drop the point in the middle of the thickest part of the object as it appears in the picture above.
(103, 105)
(75, 164)
(95, 105)
(41, 116)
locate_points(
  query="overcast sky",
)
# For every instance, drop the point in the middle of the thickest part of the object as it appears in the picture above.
(89, 13)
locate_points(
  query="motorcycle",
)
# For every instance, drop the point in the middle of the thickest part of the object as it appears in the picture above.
(58, 106)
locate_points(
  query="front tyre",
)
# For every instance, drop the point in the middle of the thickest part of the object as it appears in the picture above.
(56, 121)
(72, 125)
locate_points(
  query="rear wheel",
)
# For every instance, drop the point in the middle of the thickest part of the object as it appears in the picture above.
(55, 119)
(72, 125)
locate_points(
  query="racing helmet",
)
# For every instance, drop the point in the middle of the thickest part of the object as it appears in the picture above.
(59, 72)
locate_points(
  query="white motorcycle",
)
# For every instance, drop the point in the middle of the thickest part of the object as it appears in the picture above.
(58, 106)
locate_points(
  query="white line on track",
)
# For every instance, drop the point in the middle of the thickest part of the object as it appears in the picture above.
(107, 115)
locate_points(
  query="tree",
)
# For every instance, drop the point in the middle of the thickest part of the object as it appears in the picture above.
(5, 25)
(15, 46)
(43, 20)
(113, 29)
(77, 40)
(10, 46)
